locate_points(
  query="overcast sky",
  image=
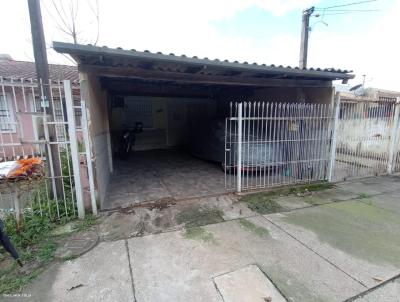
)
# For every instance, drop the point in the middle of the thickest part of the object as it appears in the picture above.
(259, 31)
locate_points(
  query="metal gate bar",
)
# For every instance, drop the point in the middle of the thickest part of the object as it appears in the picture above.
(24, 132)
(365, 139)
(272, 144)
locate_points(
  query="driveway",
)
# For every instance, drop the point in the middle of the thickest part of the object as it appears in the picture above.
(341, 244)
(162, 174)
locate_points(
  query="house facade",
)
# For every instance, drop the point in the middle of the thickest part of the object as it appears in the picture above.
(166, 94)
(22, 116)
(21, 108)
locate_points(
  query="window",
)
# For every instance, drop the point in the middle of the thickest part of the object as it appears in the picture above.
(7, 121)
(137, 110)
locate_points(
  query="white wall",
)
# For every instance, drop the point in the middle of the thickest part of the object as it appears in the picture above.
(367, 135)
(96, 100)
(170, 116)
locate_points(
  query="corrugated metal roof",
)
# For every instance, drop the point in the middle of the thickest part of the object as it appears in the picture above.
(78, 51)
(27, 70)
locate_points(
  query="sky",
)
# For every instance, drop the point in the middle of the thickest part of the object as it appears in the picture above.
(262, 31)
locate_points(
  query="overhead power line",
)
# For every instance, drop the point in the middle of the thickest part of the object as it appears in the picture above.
(332, 14)
(346, 4)
(351, 10)
(341, 13)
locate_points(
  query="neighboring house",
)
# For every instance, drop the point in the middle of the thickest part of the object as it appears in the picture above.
(375, 107)
(22, 111)
(21, 122)
(371, 101)
(382, 94)
(167, 92)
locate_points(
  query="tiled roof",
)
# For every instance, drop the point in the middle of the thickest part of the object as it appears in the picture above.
(78, 51)
(27, 70)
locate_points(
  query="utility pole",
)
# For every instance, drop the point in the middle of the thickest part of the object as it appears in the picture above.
(42, 71)
(305, 29)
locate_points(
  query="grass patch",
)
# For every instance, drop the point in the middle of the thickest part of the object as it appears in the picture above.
(251, 227)
(312, 200)
(363, 195)
(195, 217)
(36, 246)
(35, 260)
(313, 187)
(262, 203)
(16, 281)
(199, 233)
(299, 189)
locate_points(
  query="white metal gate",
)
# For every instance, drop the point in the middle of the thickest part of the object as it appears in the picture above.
(272, 144)
(60, 138)
(367, 138)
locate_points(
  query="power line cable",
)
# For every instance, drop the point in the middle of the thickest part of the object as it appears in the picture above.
(347, 4)
(338, 13)
(351, 10)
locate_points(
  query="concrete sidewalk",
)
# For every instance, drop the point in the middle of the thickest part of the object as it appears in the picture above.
(330, 246)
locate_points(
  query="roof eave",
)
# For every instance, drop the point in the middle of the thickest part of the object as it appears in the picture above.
(77, 49)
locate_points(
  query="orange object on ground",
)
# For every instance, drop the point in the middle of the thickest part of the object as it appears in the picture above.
(27, 167)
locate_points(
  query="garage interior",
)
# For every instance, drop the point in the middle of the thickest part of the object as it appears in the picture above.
(162, 165)
(169, 94)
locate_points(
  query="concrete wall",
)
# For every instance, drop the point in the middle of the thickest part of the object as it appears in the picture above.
(320, 95)
(96, 100)
(171, 119)
(367, 135)
(181, 112)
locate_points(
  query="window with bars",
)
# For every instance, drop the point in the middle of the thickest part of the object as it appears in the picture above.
(59, 109)
(7, 121)
(60, 117)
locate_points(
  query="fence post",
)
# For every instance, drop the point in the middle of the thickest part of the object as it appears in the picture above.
(393, 136)
(74, 147)
(335, 124)
(88, 152)
(239, 150)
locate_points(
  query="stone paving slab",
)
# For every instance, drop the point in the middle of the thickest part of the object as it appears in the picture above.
(390, 201)
(100, 275)
(180, 266)
(335, 194)
(292, 202)
(371, 186)
(389, 292)
(361, 239)
(247, 284)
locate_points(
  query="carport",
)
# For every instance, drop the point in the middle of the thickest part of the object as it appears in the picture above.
(167, 94)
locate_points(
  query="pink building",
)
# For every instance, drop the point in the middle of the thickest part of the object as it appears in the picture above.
(22, 111)
(21, 107)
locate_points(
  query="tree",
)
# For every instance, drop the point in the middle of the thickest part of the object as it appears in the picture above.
(78, 19)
